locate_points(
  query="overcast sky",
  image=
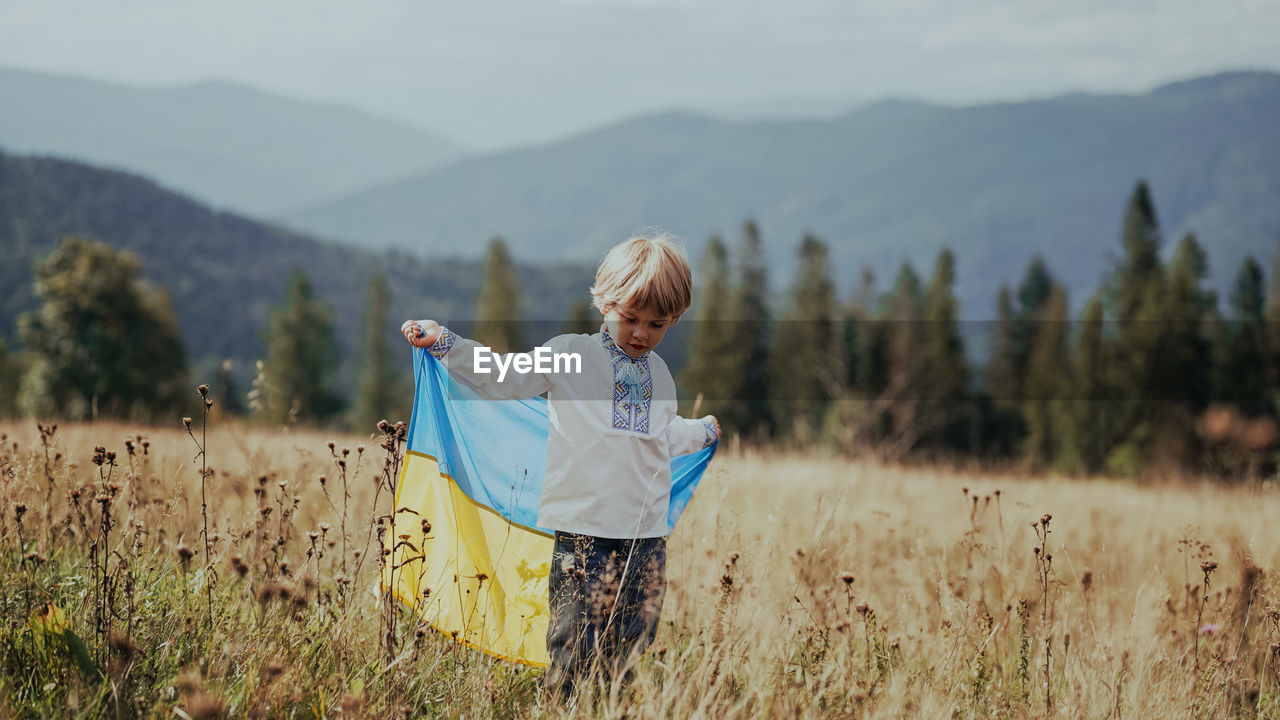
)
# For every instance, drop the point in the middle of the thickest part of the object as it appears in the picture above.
(496, 73)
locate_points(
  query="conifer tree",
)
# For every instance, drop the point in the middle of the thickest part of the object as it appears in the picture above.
(751, 320)
(904, 357)
(708, 370)
(1140, 239)
(867, 371)
(1018, 325)
(1046, 403)
(1188, 308)
(805, 364)
(942, 382)
(1033, 293)
(378, 394)
(1143, 374)
(1004, 425)
(299, 374)
(497, 317)
(103, 343)
(1272, 317)
(1244, 358)
(1093, 421)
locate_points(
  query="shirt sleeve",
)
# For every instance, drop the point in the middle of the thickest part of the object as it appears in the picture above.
(471, 364)
(686, 435)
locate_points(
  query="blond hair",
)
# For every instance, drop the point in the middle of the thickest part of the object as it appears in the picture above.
(645, 272)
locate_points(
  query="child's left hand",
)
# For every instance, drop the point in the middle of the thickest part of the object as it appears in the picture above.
(716, 423)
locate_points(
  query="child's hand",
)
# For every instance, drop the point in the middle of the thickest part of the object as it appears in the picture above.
(715, 422)
(421, 333)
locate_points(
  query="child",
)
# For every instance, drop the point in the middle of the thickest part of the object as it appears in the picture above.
(613, 432)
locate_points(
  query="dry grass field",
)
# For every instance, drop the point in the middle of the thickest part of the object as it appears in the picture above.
(799, 586)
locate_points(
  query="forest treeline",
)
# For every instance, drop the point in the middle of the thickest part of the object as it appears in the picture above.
(1154, 374)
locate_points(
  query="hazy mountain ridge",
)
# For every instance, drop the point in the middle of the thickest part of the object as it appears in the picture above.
(223, 271)
(891, 181)
(229, 145)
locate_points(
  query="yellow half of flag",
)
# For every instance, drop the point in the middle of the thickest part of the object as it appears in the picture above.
(473, 575)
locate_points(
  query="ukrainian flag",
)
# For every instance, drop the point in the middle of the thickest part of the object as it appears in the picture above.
(466, 552)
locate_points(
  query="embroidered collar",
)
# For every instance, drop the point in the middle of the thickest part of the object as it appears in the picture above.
(612, 346)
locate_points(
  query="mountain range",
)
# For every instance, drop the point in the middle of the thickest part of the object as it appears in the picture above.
(888, 182)
(231, 146)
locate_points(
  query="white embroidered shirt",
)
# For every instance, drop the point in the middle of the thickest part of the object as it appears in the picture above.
(613, 432)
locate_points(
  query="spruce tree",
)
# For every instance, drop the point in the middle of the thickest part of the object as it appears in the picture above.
(904, 366)
(1140, 240)
(1188, 308)
(805, 366)
(378, 393)
(497, 316)
(709, 371)
(103, 343)
(867, 360)
(752, 324)
(1272, 317)
(942, 383)
(1033, 293)
(1244, 359)
(1143, 376)
(1004, 426)
(1046, 397)
(298, 379)
(1090, 399)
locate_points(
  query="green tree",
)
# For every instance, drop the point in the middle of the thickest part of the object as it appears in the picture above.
(1020, 320)
(379, 394)
(299, 376)
(1143, 377)
(1091, 401)
(905, 366)
(1188, 308)
(868, 362)
(751, 319)
(1033, 294)
(497, 318)
(1004, 427)
(1046, 398)
(713, 340)
(103, 343)
(1140, 268)
(1244, 356)
(805, 366)
(1273, 332)
(943, 372)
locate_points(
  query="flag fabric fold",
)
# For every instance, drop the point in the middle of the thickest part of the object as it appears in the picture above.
(466, 552)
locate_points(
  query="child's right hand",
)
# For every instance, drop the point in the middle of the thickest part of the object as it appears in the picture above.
(421, 333)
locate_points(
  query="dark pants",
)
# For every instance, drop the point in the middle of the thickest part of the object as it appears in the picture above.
(606, 596)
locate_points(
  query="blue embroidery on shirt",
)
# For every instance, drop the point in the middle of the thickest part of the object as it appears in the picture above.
(632, 388)
(709, 433)
(442, 343)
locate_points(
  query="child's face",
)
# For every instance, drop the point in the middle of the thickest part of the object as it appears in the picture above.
(637, 331)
